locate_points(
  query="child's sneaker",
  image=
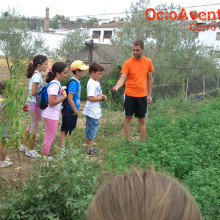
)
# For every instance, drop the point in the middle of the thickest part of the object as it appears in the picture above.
(62, 151)
(92, 151)
(32, 153)
(23, 148)
(7, 159)
(5, 164)
(44, 165)
(49, 159)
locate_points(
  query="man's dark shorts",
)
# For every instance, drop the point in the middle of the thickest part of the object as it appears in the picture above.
(69, 120)
(136, 106)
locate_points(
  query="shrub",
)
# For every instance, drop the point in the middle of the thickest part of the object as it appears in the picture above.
(204, 186)
(60, 191)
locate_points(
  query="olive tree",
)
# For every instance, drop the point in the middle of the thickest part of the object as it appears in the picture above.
(16, 43)
(170, 44)
(73, 42)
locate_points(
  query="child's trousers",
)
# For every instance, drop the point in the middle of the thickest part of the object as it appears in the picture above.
(51, 129)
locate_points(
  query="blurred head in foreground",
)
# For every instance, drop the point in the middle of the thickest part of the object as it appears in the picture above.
(143, 195)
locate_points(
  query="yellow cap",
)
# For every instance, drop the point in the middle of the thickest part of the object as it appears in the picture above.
(78, 64)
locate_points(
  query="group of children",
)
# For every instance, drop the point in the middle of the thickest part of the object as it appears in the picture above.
(56, 96)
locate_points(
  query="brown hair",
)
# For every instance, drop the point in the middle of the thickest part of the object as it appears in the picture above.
(143, 195)
(57, 67)
(38, 59)
(74, 71)
(138, 42)
(95, 67)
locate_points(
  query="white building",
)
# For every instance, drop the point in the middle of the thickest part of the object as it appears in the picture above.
(210, 35)
(103, 33)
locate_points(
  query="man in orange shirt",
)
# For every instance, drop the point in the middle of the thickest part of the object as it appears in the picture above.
(137, 72)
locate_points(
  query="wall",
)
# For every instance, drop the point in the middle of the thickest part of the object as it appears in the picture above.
(209, 38)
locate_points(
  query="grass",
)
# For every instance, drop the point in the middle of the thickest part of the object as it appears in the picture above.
(183, 140)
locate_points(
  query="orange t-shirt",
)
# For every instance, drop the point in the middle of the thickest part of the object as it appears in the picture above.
(137, 70)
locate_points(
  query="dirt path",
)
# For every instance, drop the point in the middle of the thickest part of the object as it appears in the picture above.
(18, 171)
(4, 72)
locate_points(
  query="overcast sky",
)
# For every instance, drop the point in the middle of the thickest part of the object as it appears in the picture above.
(71, 8)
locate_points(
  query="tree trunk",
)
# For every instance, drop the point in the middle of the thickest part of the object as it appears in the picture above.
(9, 68)
(203, 91)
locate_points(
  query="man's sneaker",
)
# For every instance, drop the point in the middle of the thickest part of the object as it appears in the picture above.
(23, 148)
(5, 164)
(32, 153)
(92, 151)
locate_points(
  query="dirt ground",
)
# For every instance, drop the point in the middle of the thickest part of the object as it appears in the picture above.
(17, 170)
(4, 72)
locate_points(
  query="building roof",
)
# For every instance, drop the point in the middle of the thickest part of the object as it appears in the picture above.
(102, 53)
(108, 25)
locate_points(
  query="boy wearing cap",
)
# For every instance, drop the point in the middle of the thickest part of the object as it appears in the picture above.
(93, 105)
(70, 110)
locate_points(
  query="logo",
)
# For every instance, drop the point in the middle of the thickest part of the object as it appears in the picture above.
(172, 15)
(151, 14)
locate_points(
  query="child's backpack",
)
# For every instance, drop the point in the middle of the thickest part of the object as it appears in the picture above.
(71, 80)
(42, 98)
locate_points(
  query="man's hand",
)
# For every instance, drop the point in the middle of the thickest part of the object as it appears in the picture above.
(149, 99)
(120, 83)
(114, 89)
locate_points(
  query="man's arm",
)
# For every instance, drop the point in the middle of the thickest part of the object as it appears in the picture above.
(149, 86)
(120, 82)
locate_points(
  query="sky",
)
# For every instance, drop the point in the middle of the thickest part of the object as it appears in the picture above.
(92, 8)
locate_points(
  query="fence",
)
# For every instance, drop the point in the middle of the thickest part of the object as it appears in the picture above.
(198, 85)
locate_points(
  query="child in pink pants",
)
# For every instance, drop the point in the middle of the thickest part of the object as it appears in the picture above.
(56, 95)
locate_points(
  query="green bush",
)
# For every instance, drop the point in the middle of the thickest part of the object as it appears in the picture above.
(62, 190)
(187, 147)
(115, 100)
(15, 97)
(205, 188)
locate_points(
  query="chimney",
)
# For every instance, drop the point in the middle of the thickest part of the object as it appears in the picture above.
(46, 23)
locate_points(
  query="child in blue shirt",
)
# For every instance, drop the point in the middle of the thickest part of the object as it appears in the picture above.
(70, 111)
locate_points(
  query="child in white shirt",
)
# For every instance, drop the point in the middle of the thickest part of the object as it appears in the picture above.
(93, 105)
